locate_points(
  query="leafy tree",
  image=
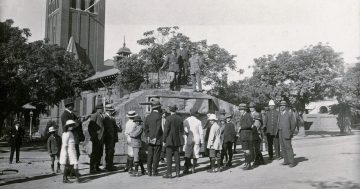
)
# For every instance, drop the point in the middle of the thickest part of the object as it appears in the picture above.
(37, 72)
(299, 77)
(131, 73)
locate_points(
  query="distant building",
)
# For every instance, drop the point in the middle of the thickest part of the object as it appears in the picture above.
(84, 21)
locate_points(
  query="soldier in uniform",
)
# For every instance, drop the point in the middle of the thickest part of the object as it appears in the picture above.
(172, 61)
(195, 64)
(271, 130)
(183, 59)
(246, 135)
(286, 126)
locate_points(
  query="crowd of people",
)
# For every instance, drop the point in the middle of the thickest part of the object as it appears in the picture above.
(164, 134)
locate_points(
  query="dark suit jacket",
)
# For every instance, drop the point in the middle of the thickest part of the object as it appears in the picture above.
(246, 122)
(54, 144)
(286, 124)
(173, 130)
(93, 128)
(229, 132)
(77, 131)
(153, 127)
(271, 122)
(16, 136)
(110, 129)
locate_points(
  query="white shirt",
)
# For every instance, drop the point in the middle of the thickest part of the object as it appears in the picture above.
(193, 127)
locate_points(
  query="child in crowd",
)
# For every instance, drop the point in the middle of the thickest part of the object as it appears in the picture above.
(68, 156)
(136, 144)
(53, 147)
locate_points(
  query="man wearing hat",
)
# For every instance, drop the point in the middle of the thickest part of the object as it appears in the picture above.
(129, 127)
(173, 132)
(16, 133)
(68, 114)
(96, 131)
(286, 126)
(229, 139)
(110, 136)
(271, 130)
(214, 144)
(195, 138)
(257, 138)
(172, 61)
(246, 135)
(195, 64)
(154, 134)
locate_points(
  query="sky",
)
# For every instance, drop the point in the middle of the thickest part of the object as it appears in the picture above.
(248, 29)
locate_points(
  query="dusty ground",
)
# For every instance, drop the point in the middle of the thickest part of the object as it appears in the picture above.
(323, 162)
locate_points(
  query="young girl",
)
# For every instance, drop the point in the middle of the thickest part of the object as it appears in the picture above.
(54, 146)
(135, 135)
(68, 156)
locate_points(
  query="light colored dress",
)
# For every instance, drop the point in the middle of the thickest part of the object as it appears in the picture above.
(68, 155)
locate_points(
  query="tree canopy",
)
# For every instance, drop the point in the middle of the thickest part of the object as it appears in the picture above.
(38, 73)
(158, 43)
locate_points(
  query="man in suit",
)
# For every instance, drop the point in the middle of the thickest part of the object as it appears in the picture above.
(257, 138)
(110, 137)
(173, 132)
(16, 133)
(68, 114)
(154, 134)
(96, 131)
(246, 135)
(271, 130)
(286, 126)
(172, 61)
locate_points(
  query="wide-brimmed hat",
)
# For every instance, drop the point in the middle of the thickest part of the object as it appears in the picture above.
(173, 108)
(212, 117)
(99, 106)
(155, 104)
(68, 102)
(242, 106)
(52, 129)
(71, 123)
(283, 103)
(137, 119)
(251, 105)
(131, 114)
(222, 118)
(109, 107)
(228, 115)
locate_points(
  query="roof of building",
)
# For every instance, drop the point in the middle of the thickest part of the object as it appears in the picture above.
(103, 74)
(124, 49)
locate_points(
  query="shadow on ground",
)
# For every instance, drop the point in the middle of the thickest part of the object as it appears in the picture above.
(26, 179)
(341, 183)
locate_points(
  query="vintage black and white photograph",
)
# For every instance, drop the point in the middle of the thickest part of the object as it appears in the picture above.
(155, 94)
